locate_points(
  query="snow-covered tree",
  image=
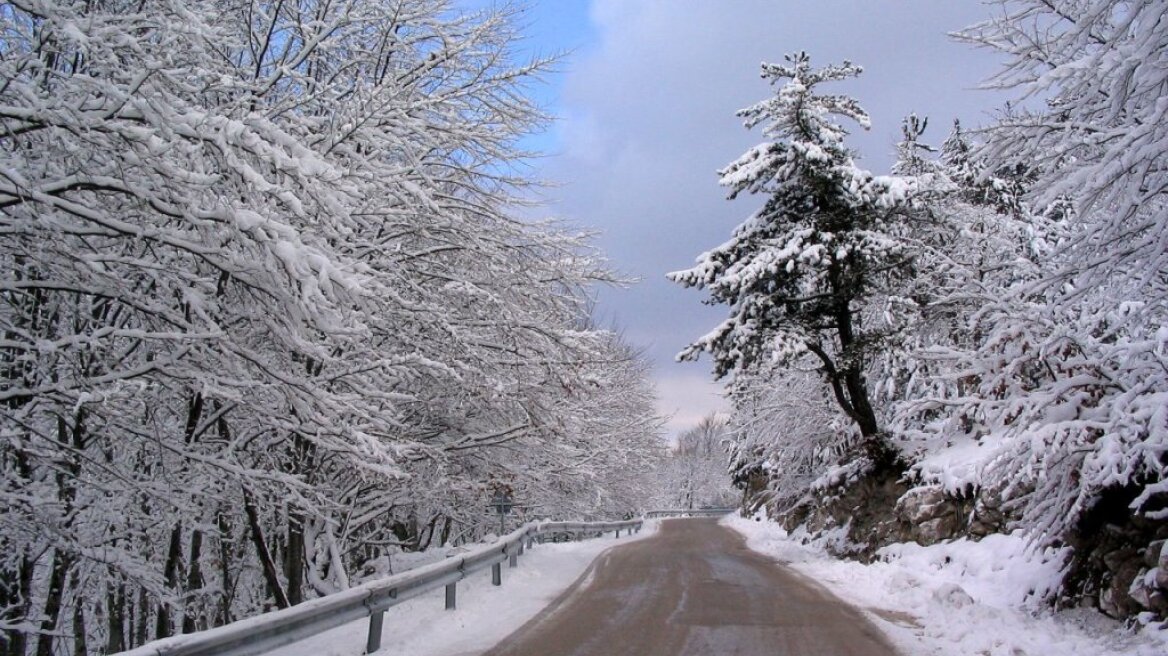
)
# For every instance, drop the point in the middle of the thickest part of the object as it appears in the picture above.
(1062, 374)
(262, 294)
(1021, 367)
(1089, 120)
(796, 274)
(785, 434)
(1061, 382)
(983, 243)
(694, 475)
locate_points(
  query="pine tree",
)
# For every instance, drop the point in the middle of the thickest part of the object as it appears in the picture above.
(797, 273)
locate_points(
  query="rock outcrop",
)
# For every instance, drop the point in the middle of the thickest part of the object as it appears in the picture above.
(1119, 563)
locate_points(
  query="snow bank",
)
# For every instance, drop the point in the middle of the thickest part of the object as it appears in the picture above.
(959, 597)
(486, 614)
(1002, 571)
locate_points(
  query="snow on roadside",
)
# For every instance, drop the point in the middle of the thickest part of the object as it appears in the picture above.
(959, 597)
(485, 615)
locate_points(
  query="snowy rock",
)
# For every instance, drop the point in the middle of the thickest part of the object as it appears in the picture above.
(1107, 603)
(1162, 565)
(936, 530)
(922, 504)
(952, 595)
(859, 514)
(928, 515)
(1158, 603)
(1139, 591)
(1153, 554)
(1123, 594)
(1147, 591)
(1119, 558)
(988, 517)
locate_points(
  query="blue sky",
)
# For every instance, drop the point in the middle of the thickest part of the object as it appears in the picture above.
(645, 102)
(550, 28)
(555, 28)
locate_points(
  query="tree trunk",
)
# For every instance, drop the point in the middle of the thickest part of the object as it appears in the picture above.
(80, 643)
(262, 552)
(194, 583)
(225, 560)
(14, 599)
(194, 414)
(294, 558)
(164, 622)
(223, 523)
(143, 618)
(71, 437)
(53, 603)
(431, 528)
(851, 372)
(163, 626)
(853, 380)
(115, 603)
(301, 460)
(16, 586)
(446, 527)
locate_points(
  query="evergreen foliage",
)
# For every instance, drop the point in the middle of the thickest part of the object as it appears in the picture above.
(797, 274)
(1020, 329)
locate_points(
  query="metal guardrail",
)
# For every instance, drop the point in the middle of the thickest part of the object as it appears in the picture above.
(691, 512)
(269, 631)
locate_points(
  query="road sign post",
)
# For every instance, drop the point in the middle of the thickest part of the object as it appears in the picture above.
(502, 503)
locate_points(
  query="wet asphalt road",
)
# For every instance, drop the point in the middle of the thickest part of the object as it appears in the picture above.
(694, 589)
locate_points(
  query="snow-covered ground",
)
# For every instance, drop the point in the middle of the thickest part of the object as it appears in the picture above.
(485, 615)
(958, 598)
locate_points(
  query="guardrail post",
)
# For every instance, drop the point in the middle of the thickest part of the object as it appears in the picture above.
(618, 534)
(513, 561)
(451, 595)
(497, 574)
(373, 642)
(521, 547)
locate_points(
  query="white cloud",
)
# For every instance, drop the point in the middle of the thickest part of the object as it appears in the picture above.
(685, 398)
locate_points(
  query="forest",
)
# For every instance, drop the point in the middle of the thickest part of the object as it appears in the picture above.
(976, 343)
(270, 313)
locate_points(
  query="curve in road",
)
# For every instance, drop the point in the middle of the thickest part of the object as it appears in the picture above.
(694, 589)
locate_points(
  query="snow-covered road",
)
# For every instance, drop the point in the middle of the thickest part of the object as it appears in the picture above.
(694, 589)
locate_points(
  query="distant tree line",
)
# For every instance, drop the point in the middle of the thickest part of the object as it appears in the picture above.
(693, 473)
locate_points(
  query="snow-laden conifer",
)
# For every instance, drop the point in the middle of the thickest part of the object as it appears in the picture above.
(796, 274)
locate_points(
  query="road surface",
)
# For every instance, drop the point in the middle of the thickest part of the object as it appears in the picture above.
(694, 589)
